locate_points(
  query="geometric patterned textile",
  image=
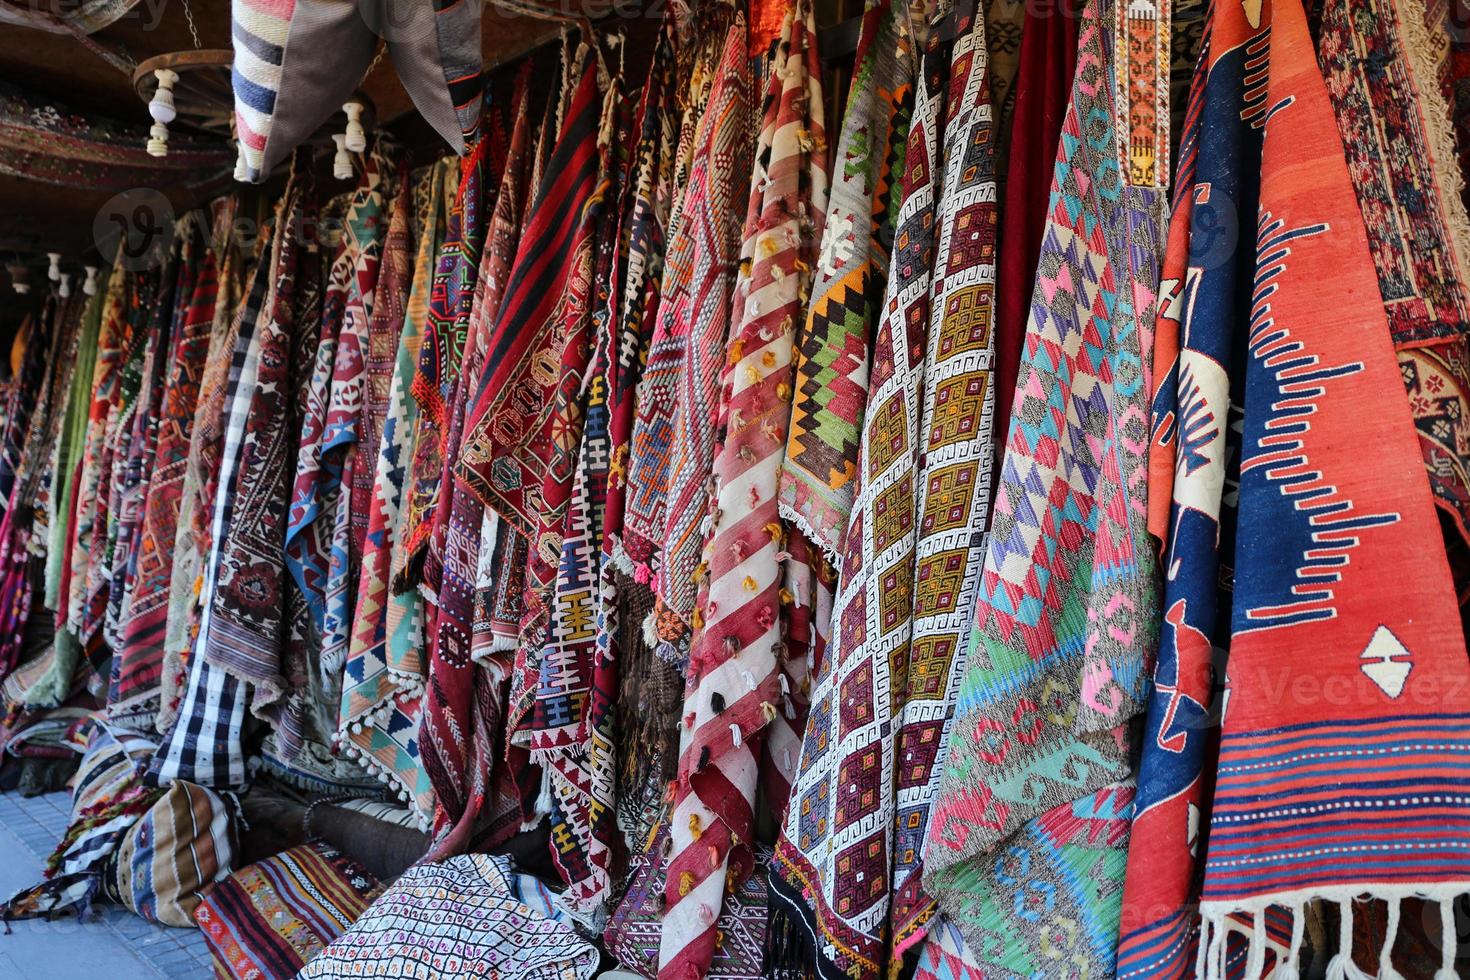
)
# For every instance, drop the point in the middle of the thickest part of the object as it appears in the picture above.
(841, 836)
(1190, 510)
(266, 920)
(316, 486)
(636, 502)
(819, 477)
(945, 955)
(1042, 79)
(513, 433)
(1383, 61)
(108, 798)
(243, 628)
(436, 378)
(383, 677)
(675, 433)
(462, 917)
(956, 448)
(1365, 788)
(734, 698)
(1048, 901)
(633, 933)
(142, 628)
(460, 716)
(1065, 618)
(196, 508)
(343, 424)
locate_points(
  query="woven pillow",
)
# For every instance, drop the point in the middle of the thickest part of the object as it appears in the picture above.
(107, 799)
(458, 918)
(286, 85)
(266, 921)
(183, 844)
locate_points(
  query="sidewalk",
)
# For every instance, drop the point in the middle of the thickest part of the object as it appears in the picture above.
(113, 945)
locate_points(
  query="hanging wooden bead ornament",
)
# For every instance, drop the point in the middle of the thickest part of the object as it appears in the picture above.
(53, 271)
(356, 140)
(342, 162)
(64, 290)
(89, 285)
(19, 277)
(161, 108)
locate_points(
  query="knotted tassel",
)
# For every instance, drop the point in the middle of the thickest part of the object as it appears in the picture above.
(1341, 966)
(1448, 941)
(1289, 970)
(1385, 958)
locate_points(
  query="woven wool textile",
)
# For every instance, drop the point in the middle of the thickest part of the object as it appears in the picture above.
(244, 630)
(1321, 528)
(460, 713)
(823, 831)
(200, 473)
(383, 677)
(648, 199)
(674, 435)
(142, 391)
(169, 858)
(437, 376)
(267, 920)
(107, 799)
(331, 399)
(67, 456)
(1189, 510)
(734, 689)
(568, 728)
(1043, 78)
(634, 932)
(1067, 596)
(142, 632)
(819, 477)
(462, 917)
(1383, 64)
(203, 743)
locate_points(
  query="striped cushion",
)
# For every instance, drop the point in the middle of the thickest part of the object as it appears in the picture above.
(266, 921)
(181, 846)
(285, 89)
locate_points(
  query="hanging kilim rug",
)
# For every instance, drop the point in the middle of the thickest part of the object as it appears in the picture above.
(1366, 787)
(734, 690)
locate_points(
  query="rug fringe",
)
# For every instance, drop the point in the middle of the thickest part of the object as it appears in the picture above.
(1248, 920)
(789, 950)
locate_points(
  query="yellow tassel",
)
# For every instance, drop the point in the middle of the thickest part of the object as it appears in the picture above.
(686, 883)
(752, 376)
(737, 347)
(696, 619)
(695, 828)
(783, 391)
(774, 530)
(787, 598)
(750, 584)
(768, 359)
(768, 711)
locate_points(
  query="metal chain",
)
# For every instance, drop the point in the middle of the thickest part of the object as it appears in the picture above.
(382, 50)
(193, 29)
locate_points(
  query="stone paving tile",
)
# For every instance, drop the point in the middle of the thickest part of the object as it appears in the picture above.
(37, 824)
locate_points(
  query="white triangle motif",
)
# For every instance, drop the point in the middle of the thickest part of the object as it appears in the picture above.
(1378, 663)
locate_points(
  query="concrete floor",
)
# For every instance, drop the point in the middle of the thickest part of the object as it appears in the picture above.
(113, 945)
